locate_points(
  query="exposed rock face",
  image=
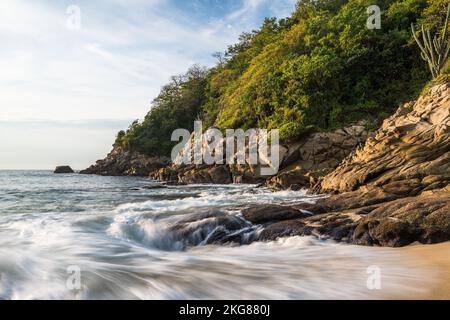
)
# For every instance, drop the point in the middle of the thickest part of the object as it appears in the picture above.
(63, 169)
(193, 174)
(396, 189)
(425, 218)
(302, 162)
(126, 163)
(411, 151)
(316, 156)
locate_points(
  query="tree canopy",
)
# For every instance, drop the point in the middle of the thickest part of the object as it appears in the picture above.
(319, 69)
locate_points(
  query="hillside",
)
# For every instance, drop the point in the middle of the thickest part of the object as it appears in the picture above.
(321, 68)
(318, 70)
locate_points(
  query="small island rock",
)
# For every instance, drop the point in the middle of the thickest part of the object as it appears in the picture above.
(63, 169)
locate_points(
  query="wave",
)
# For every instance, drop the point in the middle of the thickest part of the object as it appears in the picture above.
(181, 231)
(290, 268)
(219, 199)
(211, 217)
(171, 246)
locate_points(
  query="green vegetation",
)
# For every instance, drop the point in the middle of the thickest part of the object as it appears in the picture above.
(434, 50)
(177, 106)
(322, 68)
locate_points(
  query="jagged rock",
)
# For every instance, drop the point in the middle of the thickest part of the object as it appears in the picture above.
(207, 174)
(393, 191)
(395, 223)
(317, 155)
(63, 169)
(410, 149)
(425, 218)
(288, 228)
(126, 163)
(302, 162)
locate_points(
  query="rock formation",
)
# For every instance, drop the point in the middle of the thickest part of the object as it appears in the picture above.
(316, 155)
(63, 169)
(395, 190)
(302, 162)
(126, 163)
(411, 151)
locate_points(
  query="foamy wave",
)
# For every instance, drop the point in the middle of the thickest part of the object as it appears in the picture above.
(166, 249)
(218, 199)
(181, 231)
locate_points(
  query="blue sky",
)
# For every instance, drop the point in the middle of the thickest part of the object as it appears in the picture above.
(64, 93)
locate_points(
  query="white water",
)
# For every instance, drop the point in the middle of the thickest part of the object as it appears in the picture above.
(122, 238)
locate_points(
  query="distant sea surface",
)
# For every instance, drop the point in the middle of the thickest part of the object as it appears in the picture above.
(90, 237)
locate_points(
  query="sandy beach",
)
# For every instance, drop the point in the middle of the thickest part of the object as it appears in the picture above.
(434, 257)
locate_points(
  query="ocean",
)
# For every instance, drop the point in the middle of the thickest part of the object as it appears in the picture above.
(91, 237)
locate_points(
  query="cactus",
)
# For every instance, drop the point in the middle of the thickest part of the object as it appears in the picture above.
(434, 51)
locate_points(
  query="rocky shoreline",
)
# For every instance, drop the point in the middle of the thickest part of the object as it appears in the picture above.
(390, 188)
(302, 162)
(393, 191)
(126, 163)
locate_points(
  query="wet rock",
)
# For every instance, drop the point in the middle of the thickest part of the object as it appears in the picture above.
(173, 196)
(289, 228)
(153, 187)
(270, 213)
(212, 227)
(425, 218)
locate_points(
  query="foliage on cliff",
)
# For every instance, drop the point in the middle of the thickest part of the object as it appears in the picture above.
(321, 68)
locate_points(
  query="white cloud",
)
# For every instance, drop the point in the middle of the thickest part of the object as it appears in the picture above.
(113, 66)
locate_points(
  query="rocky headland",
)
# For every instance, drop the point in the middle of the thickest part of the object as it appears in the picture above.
(126, 163)
(389, 188)
(393, 191)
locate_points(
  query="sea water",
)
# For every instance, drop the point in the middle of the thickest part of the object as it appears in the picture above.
(91, 237)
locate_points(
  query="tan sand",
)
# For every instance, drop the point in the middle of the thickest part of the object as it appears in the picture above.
(435, 257)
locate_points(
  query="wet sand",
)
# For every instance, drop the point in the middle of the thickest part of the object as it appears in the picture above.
(434, 257)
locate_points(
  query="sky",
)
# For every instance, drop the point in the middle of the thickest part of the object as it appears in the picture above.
(74, 73)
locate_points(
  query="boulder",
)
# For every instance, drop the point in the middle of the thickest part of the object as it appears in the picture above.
(425, 218)
(63, 169)
(270, 213)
